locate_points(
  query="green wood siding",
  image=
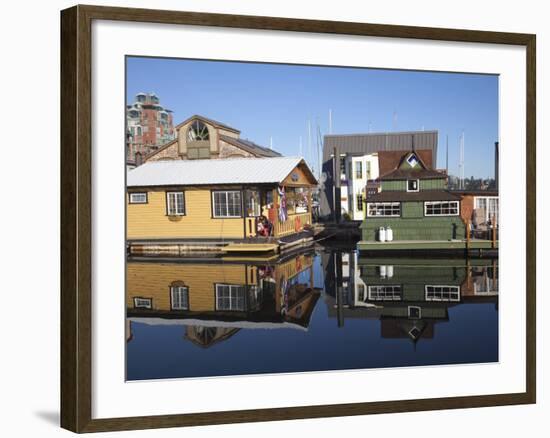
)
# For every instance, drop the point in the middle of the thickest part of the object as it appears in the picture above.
(412, 209)
(433, 184)
(394, 185)
(411, 228)
(425, 184)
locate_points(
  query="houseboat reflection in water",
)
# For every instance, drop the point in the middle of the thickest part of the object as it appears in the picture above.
(409, 296)
(213, 300)
(231, 316)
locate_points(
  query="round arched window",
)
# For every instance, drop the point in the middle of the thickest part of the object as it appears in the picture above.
(198, 131)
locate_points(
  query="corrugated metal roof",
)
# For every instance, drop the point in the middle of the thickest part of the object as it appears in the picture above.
(212, 172)
(386, 141)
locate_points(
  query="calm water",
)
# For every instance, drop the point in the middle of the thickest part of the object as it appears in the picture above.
(322, 310)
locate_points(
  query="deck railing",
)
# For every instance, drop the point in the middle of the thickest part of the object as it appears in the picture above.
(294, 224)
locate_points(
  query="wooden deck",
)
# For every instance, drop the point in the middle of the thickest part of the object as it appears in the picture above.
(251, 247)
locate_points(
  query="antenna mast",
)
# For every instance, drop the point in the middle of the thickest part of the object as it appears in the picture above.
(309, 140)
(329, 121)
(461, 162)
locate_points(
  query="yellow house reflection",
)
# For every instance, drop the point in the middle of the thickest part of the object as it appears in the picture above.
(215, 299)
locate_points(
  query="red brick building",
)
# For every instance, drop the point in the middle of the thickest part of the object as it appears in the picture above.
(148, 127)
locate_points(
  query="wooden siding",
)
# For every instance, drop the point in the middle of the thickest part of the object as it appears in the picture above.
(422, 228)
(425, 184)
(394, 185)
(153, 280)
(150, 221)
(412, 209)
(298, 178)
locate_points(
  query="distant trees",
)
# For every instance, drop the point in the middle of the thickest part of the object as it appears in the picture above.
(472, 183)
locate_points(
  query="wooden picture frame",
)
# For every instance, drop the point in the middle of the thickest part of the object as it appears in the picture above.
(76, 217)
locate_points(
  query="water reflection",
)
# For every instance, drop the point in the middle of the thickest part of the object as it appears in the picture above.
(408, 296)
(214, 299)
(232, 316)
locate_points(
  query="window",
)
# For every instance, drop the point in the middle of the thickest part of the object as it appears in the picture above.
(384, 209)
(367, 169)
(442, 293)
(138, 198)
(175, 205)
(412, 160)
(198, 131)
(343, 167)
(230, 297)
(227, 203)
(414, 312)
(143, 303)
(359, 199)
(361, 292)
(488, 206)
(413, 185)
(441, 208)
(385, 293)
(358, 170)
(179, 297)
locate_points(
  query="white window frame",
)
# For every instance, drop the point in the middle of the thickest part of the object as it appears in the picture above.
(381, 292)
(409, 308)
(384, 204)
(174, 291)
(146, 303)
(487, 199)
(417, 185)
(437, 290)
(133, 201)
(169, 211)
(426, 203)
(233, 289)
(358, 169)
(226, 192)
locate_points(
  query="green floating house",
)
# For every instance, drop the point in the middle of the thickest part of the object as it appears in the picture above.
(413, 201)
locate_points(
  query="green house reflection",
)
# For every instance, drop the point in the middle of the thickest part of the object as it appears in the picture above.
(409, 296)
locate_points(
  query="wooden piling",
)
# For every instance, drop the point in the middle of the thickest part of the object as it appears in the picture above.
(467, 234)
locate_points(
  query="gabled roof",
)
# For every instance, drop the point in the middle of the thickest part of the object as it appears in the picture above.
(413, 174)
(211, 122)
(271, 170)
(405, 171)
(250, 146)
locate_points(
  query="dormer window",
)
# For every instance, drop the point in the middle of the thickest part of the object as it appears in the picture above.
(413, 185)
(198, 131)
(412, 160)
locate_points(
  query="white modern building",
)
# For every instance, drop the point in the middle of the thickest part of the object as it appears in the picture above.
(355, 172)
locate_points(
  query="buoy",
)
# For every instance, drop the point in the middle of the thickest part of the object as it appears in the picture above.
(382, 234)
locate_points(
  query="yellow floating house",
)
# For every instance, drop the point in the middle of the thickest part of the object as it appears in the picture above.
(232, 201)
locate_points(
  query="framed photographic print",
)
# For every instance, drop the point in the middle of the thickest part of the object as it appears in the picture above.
(268, 218)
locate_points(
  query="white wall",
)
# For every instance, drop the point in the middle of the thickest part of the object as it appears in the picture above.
(30, 231)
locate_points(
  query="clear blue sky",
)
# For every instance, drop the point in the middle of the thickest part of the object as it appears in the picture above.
(273, 100)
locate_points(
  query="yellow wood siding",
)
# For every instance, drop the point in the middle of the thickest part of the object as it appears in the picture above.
(153, 280)
(149, 221)
(298, 178)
